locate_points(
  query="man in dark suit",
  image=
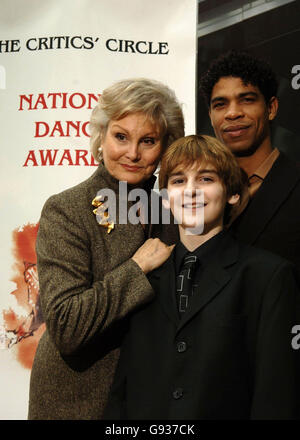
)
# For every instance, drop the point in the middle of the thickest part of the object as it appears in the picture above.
(241, 94)
(216, 341)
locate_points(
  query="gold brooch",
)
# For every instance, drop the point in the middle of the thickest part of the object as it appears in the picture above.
(101, 213)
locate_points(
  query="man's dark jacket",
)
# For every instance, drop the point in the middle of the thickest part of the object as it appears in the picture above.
(272, 218)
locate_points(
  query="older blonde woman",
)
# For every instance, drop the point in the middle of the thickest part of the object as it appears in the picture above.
(93, 275)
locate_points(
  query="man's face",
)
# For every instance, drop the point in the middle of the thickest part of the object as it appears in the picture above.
(240, 116)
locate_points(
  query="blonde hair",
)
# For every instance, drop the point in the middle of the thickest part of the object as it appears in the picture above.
(157, 101)
(186, 151)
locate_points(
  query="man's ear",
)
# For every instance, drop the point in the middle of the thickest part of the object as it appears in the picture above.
(233, 200)
(273, 108)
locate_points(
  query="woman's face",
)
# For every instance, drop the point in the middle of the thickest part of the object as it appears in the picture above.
(131, 148)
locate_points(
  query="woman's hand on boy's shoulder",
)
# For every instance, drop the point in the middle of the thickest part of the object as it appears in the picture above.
(152, 254)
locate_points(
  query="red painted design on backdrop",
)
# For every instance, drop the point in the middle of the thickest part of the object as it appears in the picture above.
(23, 332)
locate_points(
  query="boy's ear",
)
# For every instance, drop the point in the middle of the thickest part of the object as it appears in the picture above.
(166, 203)
(233, 199)
(165, 198)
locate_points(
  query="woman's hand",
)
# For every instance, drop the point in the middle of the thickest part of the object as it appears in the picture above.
(152, 254)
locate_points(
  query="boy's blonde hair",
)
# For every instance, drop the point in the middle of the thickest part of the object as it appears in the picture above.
(186, 151)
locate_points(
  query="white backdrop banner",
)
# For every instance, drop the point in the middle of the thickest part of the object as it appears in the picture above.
(56, 57)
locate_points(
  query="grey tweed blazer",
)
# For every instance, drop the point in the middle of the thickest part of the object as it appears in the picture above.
(88, 284)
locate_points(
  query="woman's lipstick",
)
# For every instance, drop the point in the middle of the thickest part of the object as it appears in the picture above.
(132, 168)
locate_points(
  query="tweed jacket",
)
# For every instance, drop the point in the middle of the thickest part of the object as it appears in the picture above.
(88, 284)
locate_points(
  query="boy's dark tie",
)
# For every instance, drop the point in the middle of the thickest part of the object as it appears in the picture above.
(185, 282)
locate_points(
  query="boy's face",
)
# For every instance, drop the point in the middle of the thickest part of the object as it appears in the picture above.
(240, 116)
(197, 198)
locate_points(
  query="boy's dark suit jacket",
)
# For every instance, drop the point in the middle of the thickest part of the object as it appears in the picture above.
(230, 357)
(272, 219)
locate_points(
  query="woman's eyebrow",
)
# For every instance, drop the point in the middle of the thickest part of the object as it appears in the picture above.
(119, 127)
(152, 133)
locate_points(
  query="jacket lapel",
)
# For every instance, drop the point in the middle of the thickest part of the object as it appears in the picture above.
(273, 192)
(213, 279)
(163, 281)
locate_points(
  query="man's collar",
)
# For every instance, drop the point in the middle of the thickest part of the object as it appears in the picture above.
(266, 165)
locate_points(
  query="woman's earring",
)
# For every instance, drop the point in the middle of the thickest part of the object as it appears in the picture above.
(100, 154)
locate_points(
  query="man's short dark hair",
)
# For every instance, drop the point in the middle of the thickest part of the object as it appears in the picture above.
(240, 64)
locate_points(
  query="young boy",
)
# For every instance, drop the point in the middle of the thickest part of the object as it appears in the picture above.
(215, 343)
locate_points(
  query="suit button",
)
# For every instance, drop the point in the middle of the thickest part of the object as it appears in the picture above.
(181, 347)
(177, 394)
